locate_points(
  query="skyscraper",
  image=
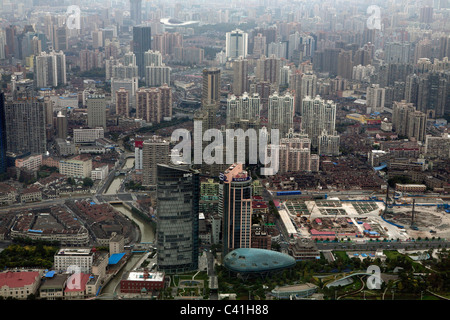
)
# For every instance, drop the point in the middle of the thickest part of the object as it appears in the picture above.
(281, 113)
(122, 102)
(177, 232)
(240, 76)
(246, 107)
(154, 151)
(142, 38)
(61, 126)
(96, 111)
(25, 119)
(50, 69)
(236, 44)
(2, 134)
(317, 115)
(156, 76)
(235, 208)
(136, 11)
(211, 86)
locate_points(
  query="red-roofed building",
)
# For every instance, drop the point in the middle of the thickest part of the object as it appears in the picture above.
(19, 285)
(80, 286)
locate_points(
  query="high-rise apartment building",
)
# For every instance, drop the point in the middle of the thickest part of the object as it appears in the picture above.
(122, 102)
(50, 69)
(25, 119)
(154, 151)
(375, 97)
(235, 208)
(268, 69)
(177, 232)
(154, 104)
(329, 144)
(317, 115)
(240, 76)
(408, 122)
(281, 113)
(156, 76)
(246, 107)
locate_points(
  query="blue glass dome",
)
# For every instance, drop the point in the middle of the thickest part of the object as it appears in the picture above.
(249, 260)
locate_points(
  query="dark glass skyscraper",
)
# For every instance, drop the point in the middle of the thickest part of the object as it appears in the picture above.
(2, 134)
(136, 11)
(178, 194)
(142, 42)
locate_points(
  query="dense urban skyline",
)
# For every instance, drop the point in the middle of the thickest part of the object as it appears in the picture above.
(224, 150)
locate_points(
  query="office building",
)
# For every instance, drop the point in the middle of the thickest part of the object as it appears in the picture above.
(177, 232)
(136, 11)
(87, 135)
(50, 69)
(76, 168)
(211, 86)
(74, 260)
(96, 111)
(142, 37)
(61, 126)
(236, 43)
(235, 208)
(3, 141)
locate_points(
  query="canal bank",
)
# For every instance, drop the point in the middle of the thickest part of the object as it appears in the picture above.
(147, 235)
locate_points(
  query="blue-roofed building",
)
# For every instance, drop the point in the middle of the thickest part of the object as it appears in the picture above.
(252, 261)
(115, 258)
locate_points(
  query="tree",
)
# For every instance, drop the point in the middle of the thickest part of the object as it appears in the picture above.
(87, 182)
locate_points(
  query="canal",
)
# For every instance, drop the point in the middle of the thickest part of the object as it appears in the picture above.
(147, 232)
(117, 182)
(147, 235)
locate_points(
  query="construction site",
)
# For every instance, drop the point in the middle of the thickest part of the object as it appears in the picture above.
(364, 219)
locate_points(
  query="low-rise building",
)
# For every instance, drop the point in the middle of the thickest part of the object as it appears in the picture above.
(30, 195)
(142, 282)
(20, 284)
(53, 286)
(76, 168)
(31, 162)
(100, 173)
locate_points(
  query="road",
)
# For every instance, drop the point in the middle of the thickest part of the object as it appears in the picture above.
(392, 245)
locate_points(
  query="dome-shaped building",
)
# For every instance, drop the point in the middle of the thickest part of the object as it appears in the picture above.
(248, 261)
